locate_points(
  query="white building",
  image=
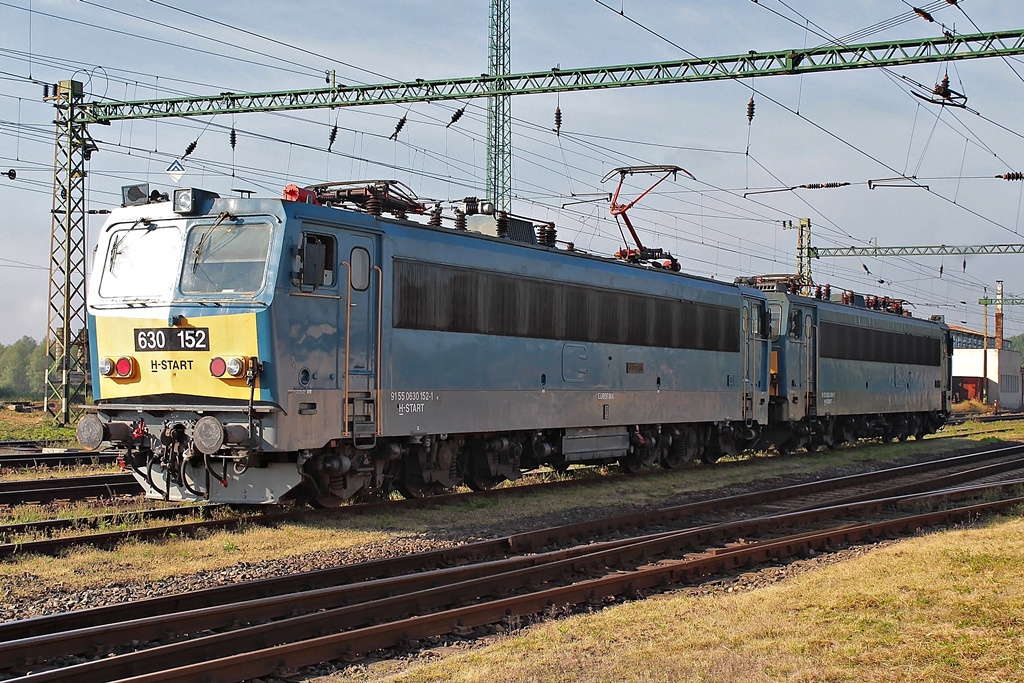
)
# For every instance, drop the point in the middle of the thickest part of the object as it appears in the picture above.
(1003, 374)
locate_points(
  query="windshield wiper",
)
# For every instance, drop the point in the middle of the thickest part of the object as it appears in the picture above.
(224, 215)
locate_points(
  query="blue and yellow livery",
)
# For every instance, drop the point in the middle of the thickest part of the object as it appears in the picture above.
(249, 350)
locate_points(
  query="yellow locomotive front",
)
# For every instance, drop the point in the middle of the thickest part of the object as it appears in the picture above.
(178, 294)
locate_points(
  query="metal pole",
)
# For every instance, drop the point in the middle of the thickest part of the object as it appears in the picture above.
(984, 356)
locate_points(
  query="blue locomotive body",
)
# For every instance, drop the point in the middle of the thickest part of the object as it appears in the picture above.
(842, 372)
(248, 350)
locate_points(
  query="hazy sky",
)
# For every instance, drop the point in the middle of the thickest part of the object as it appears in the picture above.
(850, 127)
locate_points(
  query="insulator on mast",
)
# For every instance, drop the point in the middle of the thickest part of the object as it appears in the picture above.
(332, 137)
(558, 120)
(750, 110)
(1013, 175)
(456, 116)
(191, 148)
(398, 128)
(234, 138)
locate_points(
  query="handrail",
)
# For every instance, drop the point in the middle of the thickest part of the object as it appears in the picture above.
(348, 335)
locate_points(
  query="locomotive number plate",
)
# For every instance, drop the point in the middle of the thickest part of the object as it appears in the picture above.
(172, 339)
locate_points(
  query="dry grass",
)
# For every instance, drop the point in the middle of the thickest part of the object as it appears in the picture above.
(150, 562)
(972, 406)
(943, 607)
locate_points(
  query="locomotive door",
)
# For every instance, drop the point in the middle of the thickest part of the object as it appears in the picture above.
(749, 360)
(755, 359)
(798, 366)
(360, 321)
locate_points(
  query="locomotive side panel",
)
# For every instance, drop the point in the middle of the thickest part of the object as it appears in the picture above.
(875, 363)
(504, 345)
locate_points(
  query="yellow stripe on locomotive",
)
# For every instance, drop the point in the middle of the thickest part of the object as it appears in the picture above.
(206, 356)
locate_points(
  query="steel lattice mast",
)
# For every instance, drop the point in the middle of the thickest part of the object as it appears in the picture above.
(499, 109)
(73, 145)
(66, 331)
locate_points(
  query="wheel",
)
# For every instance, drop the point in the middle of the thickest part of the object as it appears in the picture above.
(417, 489)
(479, 482)
(787, 446)
(709, 457)
(325, 502)
(631, 464)
(671, 460)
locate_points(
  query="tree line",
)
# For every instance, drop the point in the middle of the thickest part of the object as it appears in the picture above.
(23, 366)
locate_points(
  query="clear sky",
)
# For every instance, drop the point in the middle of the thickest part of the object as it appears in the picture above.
(850, 127)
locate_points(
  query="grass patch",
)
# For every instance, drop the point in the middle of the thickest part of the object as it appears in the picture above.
(895, 614)
(34, 426)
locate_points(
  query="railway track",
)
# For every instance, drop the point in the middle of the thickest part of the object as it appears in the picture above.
(16, 492)
(1001, 417)
(109, 539)
(260, 628)
(66, 458)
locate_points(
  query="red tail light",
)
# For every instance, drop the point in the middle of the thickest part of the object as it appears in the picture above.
(125, 366)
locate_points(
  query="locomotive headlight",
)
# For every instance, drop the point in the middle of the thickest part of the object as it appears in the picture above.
(187, 200)
(125, 366)
(106, 367)
(184, 199)
(236, 366)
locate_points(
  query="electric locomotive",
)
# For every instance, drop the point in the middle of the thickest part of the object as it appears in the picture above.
(852, 368)
(249, 350)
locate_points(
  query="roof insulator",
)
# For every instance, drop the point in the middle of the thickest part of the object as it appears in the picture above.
(456, 116)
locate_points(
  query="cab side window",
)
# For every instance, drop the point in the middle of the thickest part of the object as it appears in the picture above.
(314, 246)
(360, 261)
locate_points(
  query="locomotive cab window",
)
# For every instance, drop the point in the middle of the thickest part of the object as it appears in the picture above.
(795, 326)
(225, 257)
(138, 262)
(775, 311)
(317, 261)
(360, 262)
